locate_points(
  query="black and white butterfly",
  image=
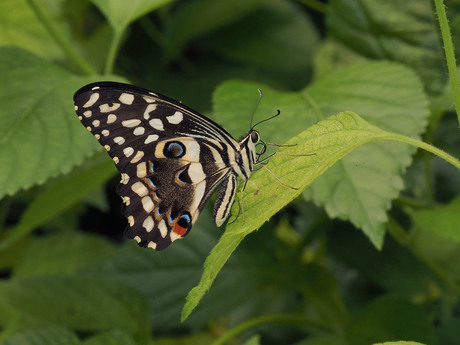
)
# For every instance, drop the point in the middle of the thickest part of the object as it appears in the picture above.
(171, 159)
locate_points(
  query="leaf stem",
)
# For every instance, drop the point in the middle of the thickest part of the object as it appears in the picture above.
(113, 50)
(44, 17)
(438, 152)
(450, 54)
(258, 321)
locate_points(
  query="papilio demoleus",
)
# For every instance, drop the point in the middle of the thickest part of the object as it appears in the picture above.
(171, 159)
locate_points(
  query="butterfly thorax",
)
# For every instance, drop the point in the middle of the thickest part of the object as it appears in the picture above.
(246, 155)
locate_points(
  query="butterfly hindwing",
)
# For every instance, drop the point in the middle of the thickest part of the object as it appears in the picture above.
(165, 196)
(171, 158)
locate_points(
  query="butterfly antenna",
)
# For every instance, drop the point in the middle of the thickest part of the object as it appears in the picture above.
(251, 126)
(271, 117)
(257, 105)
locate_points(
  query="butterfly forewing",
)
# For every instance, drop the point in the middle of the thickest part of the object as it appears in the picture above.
(171, 158)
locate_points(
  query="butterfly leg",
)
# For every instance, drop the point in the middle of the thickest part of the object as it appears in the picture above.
(240, 204)
(278, 179)
(264, 161)
(241, 200)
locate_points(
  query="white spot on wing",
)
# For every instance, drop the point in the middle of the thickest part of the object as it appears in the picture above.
(148, 224)
(163, 229)
(137, 238)
(176, 118)
(124, 178)
(137, 157)
(92, 99)
(128, 151)
(147, 204)
(131, 123)
(148, 110)
(106, 108)
(152, 245)
(131, 220)
(87, 113)
(174, 236)
(126, 98)
(96, 123)
(139, 189)
(105, 132)
(139, 131)
(119, 140)
(141, 170)
(111, 118)
(157, 124)
(151, 138)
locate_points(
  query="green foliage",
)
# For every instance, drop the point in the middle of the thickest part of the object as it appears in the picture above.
(368, 248)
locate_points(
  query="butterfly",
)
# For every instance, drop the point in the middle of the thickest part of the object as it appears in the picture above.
(171, 159)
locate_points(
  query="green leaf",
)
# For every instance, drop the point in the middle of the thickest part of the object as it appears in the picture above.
(443, 220)
(20, 27)
(398, 272)
(64, 253)
(392, 30)
(40, 135)
(390, 318)
(387, 95)
(438, 249)
(43, 336)
(331, 140)
(199, 17)
(277, 24)
(59, 195)
(122, 13)
(77, 302)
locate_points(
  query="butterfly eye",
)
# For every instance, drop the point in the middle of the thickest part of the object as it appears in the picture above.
(254, 137)
(174, 149)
